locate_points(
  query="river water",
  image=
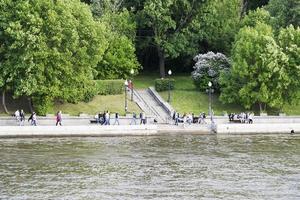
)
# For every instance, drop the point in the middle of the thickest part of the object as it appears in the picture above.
(166, 167)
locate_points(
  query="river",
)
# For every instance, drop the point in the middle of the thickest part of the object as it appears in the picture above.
(165, 167)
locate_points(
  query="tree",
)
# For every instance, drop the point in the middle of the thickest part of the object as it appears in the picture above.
(258, 74)
(284, 13)
(171, 27)
(260, 15)
(49, 50)
(248, 5)
(289, 41)
(208, 68)
(119, 58)
(221, 21)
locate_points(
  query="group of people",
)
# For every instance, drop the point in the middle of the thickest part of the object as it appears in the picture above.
(189, 118)
(105, 118)
(242, 117)
(20, 118)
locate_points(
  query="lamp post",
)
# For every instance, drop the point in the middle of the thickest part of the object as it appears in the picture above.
(125, 87)
(210, 91)
(169, 91)
(131, 72)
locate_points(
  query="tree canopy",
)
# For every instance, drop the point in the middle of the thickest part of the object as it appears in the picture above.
(49, 49)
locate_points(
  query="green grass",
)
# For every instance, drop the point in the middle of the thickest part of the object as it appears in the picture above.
(144, 81)
(113, 103)
(185, 98)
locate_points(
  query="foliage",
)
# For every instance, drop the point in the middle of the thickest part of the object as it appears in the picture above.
(258, 73)
(171, 27)
(109, 87)
(284, 13)
(49, 48)
(255, 17)
(289, 41)
(120, 58)
(164, 84)
(208, 68)
(220, 20)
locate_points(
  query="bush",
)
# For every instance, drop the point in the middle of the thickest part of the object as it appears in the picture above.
(208, 68)
(42, 104)
(163, 84)
(109, 87)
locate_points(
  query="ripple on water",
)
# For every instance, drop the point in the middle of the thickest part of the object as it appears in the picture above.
(188, 167)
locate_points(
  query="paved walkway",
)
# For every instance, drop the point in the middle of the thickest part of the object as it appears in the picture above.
(151, 106)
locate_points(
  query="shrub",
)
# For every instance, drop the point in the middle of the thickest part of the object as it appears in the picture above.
(208, 68)
(163, 84)
(109, 87)
(42, 104)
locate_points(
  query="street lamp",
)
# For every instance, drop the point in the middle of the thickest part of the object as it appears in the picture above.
(131, 72)
(210, 91)
(169, 93)
(125, 87)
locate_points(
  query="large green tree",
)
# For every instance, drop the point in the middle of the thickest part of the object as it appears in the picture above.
(289, 41)
(120, 57)
(258, 74)
(220, 21)
(171, 27)
(49, 49)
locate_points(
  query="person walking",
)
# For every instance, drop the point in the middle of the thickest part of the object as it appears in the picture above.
(117, 119)
(59, 118)
(17, 116)
(22, 118)
(176, 118)
(143, 116)
(33, 119)
(133, 119)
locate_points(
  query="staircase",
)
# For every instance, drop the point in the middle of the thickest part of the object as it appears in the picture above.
(150, 105)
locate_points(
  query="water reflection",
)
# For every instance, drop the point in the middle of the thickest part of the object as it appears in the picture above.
(188, 167)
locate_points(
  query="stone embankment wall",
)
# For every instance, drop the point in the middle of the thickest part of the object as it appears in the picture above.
(76, 131)
(271, 128)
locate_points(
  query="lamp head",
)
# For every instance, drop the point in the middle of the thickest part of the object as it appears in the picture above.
(170, 72)
(209, 84)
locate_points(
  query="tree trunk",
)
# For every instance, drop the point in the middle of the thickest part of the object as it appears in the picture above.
(244, 7)
(260, 107)
(161, 59)
(3, 101)
(30, 104)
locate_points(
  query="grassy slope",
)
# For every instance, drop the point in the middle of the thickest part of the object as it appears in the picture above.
(185, 97)
(113, 103)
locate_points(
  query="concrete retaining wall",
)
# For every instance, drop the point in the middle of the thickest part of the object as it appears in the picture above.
(238, 129)
(76, 131)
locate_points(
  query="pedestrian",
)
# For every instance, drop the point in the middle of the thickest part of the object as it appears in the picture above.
(17, 116)
(143, 118)
(22, 118)
(107, 118)
(133, 119)
(176, 118)
(59, 118)
(117, 119)
(251, 115)
(33, 119)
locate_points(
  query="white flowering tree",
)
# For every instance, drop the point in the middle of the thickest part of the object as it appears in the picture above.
(207, 68)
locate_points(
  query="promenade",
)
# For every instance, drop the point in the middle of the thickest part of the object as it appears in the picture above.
(81, 127)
